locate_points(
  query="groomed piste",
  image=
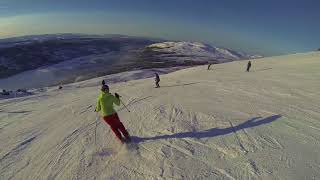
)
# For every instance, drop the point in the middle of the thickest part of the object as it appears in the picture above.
(222, 123)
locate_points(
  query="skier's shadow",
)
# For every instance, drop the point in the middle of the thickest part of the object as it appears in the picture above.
(213, 132)
(266, 69)
(212, 69)
(16, 112)
(185, 84)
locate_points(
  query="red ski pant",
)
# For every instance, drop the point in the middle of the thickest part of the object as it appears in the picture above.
(116, 125)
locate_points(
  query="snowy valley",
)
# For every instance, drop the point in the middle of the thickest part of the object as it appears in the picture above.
(47, 60)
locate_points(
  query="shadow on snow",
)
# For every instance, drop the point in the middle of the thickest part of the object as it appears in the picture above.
(213, 132)
(16, 112)
(177, 85)
(266, 69)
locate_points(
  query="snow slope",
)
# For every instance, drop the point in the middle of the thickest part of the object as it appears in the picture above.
(218, 124)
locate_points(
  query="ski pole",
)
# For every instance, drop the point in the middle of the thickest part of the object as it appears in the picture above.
(95, 130)
(124, 105)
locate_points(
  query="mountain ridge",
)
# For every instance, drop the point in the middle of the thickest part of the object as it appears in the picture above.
(76, 57)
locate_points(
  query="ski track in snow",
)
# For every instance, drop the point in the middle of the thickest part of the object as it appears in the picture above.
(218, 124)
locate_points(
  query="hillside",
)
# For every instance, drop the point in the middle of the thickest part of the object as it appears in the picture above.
(219, 124)
(32, 52)
(198, 51)
(46, 60)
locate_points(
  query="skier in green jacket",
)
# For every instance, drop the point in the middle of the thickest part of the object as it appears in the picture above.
(105, 105)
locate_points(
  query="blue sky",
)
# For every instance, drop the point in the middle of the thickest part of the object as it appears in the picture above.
(266, 27)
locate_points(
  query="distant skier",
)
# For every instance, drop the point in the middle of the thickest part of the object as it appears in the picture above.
(209, 65)
(105, 105)
(103, 83)
(5, 93)
(157, 80)
(248, 66)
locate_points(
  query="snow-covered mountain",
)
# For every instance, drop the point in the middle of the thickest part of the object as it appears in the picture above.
(65, 58)
(23, 40)
(31, 52)
(224, 124)
(198, 52)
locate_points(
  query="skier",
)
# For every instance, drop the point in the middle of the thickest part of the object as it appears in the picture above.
(209, 65)
(103, 83)
(5, 93)
(248, 66)
(157, 80)
(105, 105)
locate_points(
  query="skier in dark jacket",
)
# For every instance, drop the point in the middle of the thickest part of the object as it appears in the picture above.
(248, 66)
(209, 65)
(157, 80)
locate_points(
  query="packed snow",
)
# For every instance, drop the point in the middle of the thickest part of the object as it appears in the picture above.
(224, 123)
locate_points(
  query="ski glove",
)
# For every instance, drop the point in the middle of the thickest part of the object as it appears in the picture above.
(117, 95)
